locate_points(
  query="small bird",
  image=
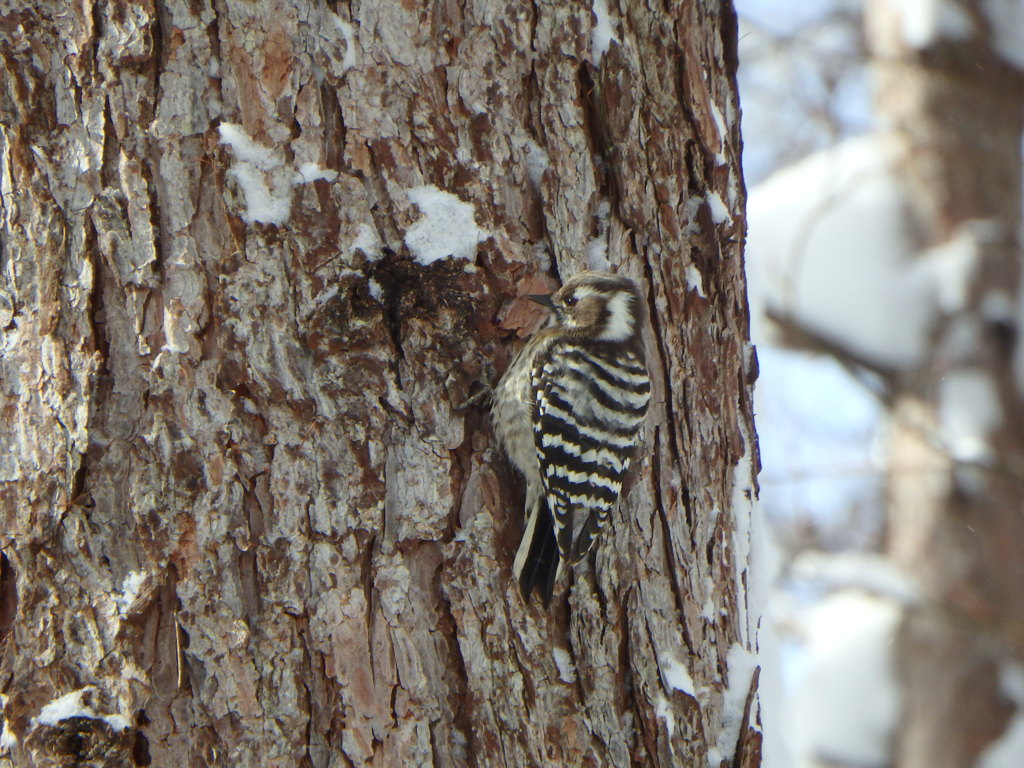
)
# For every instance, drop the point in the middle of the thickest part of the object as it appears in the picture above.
(567, 412)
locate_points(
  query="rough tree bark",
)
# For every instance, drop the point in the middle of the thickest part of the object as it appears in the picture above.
(955, 519)
(240, 509)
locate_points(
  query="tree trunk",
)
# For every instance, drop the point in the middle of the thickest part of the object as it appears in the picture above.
(253, 257)
(959, 421)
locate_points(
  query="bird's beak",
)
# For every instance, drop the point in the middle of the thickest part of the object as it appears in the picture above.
(544, 299)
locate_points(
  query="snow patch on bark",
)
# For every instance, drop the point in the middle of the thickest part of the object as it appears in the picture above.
(664, 711)
(566, 669)
(603, 33)
(719, 210)
(676, 676)
(264, 176)
(741, 665)
(348, 32)
(447, 229)
(129, 591)
(310, 172)
(8, 739)
(368, 241)
(743, 541)
(695, 280)
(74, 705)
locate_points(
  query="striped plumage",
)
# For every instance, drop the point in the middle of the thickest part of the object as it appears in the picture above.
(567, 412)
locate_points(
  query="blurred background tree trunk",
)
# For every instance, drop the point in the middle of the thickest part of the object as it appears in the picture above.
(253, 255)
(955, 518)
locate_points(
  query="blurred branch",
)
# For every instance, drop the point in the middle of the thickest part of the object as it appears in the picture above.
(875, 378)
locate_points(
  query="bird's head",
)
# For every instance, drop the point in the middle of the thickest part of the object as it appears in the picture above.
(599, 306)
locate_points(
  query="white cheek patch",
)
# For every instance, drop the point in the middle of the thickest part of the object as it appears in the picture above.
(620, 319)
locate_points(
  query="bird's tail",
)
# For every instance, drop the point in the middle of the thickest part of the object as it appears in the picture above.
(536, 563)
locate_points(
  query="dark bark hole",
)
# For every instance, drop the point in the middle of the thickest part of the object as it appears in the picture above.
(694, 171)
(140, 749)
(8, 596)
(78, 483)
(412, 292)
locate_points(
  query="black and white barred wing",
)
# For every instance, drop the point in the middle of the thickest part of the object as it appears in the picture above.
(589, 408)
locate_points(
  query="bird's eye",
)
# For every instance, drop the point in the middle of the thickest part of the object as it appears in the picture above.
(570, 301)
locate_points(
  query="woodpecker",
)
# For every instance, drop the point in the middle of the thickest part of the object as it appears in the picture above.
(567, 412)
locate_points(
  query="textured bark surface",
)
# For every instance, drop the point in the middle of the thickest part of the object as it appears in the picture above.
(955, 522)
(239, 504)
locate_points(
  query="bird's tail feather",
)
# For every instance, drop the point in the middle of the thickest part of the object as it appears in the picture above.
(536, 563)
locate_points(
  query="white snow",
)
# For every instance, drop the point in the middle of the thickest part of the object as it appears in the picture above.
(968, 411)
(8, 740)
(707, 608)
(368, 241)
(829, 246)
(1006, 20)
(748, 545)
(246, 150)
(447, 229)
(719, 210)
(6, 180)
(349, 33)
(376, 289)
(69, 705)
(129, 591)
(947, 269)
(1006, 751)
(664, 711)
(741, 664)
(603, 34)
(266, 201)
(723, 134)
(695, 280)
(264, 177)
(309, 172)
(676, 676)
(846, 706)
(924, 22)
(566, 670)
(261, 173)
(757, 564)
(73, 705)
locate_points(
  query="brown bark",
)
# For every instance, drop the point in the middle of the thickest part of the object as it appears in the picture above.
(239, 505)
(956, 523)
